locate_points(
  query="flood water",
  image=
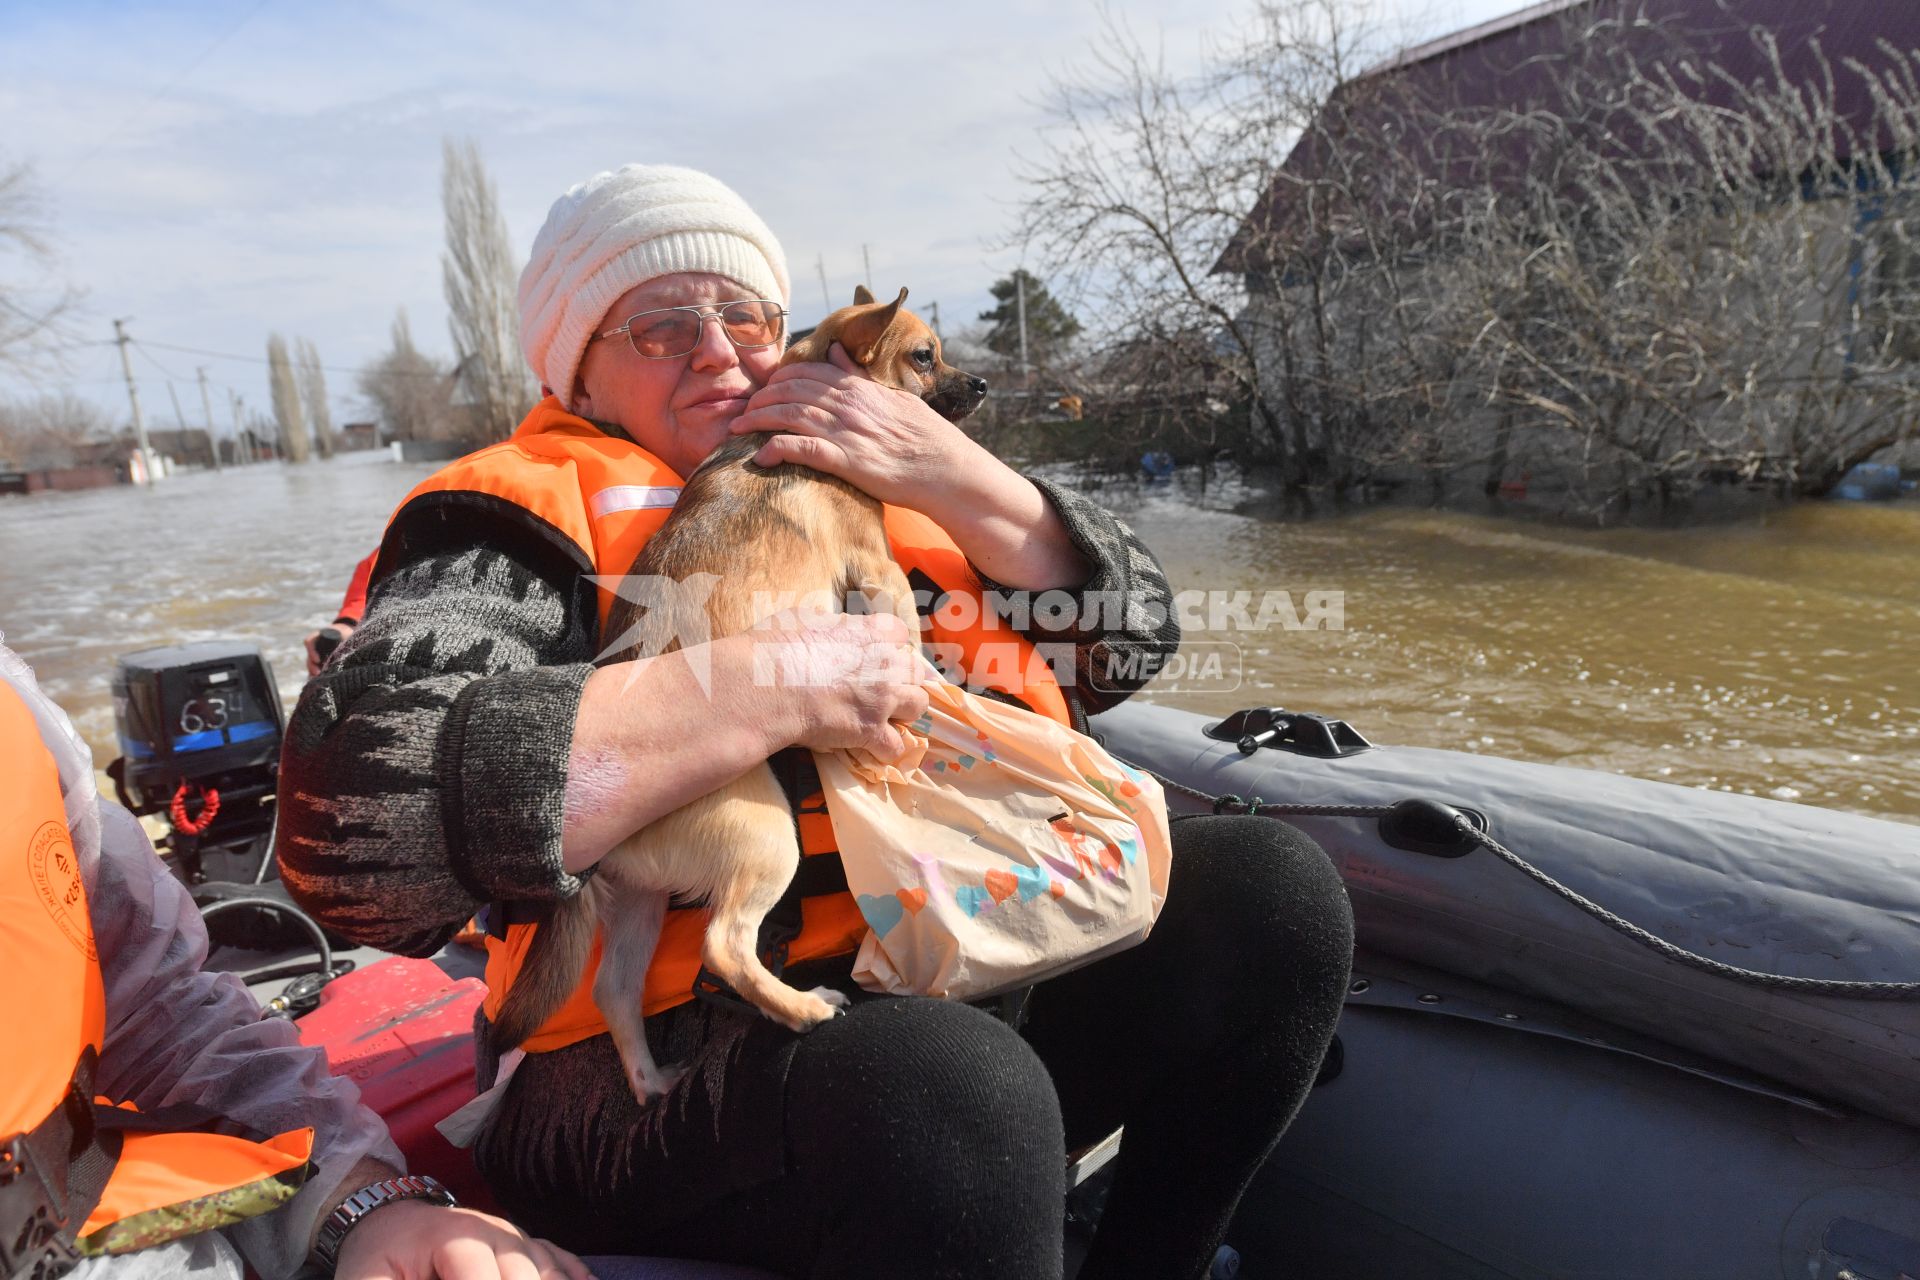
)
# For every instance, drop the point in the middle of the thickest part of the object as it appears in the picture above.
(1778, 656)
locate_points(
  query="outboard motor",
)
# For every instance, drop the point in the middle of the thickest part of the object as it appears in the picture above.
(199, 728)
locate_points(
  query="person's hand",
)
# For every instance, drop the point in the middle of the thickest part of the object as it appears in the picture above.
(883, 441)
(415, 1240)
(314, 660)
(847, 681)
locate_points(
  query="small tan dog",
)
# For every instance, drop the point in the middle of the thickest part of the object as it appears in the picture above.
(776, 530)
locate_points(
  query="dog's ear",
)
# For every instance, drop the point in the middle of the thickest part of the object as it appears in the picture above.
(861, 335)
(862, 295)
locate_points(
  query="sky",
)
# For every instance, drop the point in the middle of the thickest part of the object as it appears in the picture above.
(216, 170)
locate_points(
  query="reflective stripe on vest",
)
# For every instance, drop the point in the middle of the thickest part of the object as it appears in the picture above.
(602, 497)
(162, 1185)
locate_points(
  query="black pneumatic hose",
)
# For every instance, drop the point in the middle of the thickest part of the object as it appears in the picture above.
(299, 917)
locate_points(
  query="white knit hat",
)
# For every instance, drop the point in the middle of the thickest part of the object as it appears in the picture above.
(623, 228)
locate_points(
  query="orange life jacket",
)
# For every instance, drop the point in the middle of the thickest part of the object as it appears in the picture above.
(72, 1180)
(598, 498)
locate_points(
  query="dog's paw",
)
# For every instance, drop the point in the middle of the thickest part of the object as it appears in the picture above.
(822, 1004)
(655, 1084)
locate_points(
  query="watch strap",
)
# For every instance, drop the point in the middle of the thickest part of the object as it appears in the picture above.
(364, 1201)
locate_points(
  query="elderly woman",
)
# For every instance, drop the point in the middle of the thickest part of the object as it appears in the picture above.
(462, 749)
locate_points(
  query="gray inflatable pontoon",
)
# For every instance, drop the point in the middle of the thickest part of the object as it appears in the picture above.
(1523, 1091)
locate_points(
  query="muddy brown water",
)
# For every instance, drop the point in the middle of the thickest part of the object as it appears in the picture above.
(1777, 655)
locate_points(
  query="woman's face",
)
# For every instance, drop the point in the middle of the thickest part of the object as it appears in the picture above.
(679, 409)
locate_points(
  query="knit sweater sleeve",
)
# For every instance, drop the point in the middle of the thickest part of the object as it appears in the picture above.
(1121, 624)
(424, 771)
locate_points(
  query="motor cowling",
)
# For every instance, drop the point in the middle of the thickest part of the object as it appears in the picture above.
(192, 721)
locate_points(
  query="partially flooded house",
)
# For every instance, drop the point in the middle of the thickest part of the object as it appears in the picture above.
(1603, 249)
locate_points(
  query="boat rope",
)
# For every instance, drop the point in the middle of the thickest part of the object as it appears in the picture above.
(1846, 989)
(209, 810)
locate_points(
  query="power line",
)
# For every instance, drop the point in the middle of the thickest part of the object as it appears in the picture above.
(148, 357)
(178, 79)
(229, 355)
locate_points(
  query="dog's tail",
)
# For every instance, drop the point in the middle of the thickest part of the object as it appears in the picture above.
(550, 971)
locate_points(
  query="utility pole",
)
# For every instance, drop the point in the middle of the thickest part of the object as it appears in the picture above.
(866, 263)
(820, 264)
(133, 396)
(206, 406)
(933, 313)
(1020, 293)
(239, 428)
(178, 417)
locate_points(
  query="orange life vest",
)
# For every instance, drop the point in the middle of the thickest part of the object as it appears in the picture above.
(72, 1182)
(599, 498)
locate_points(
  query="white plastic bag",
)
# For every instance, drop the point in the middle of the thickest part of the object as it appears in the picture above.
(1005, 849)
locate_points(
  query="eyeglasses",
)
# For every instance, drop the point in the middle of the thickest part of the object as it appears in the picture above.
(670, 332)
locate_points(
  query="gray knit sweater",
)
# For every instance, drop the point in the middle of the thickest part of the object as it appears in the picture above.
(425, 768)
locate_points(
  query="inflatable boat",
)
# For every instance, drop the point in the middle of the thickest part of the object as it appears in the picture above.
(1597, 1026)
(1527, 1086)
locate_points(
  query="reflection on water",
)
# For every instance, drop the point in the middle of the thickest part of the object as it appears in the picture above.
(1778, 656)
(257, 553)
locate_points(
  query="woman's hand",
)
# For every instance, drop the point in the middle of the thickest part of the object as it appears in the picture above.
(891, 446)
(652, 734)
(314, 660)
(414, 1240)
(844, 682)
(885, 442)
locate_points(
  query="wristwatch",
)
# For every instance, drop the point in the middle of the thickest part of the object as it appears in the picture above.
(365, 1201)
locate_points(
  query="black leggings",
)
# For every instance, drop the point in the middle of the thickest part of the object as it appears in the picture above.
(916, 1137)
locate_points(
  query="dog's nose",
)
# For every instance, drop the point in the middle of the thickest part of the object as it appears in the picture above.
(977, 385)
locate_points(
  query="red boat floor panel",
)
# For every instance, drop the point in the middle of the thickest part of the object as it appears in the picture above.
(403, 1031)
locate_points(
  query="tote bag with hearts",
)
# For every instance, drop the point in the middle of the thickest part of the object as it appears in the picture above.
(1005, 849)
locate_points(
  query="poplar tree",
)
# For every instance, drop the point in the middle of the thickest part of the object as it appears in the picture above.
(313, 395)
(286, 400)
(482, 286)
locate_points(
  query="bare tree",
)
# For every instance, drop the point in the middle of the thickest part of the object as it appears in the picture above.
(34, 308)
(1640, 271)
(410, 392)
(285, 387)
(312, 378)
(1145, 176)
(50, 430)
(481, 286)
(1698, 275)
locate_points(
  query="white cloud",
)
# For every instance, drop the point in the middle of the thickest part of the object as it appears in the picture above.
(221, 170)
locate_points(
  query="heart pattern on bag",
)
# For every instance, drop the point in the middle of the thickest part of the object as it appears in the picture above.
(1028, 882)
(883, 911)
(1028, 821)
(1034, 881)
